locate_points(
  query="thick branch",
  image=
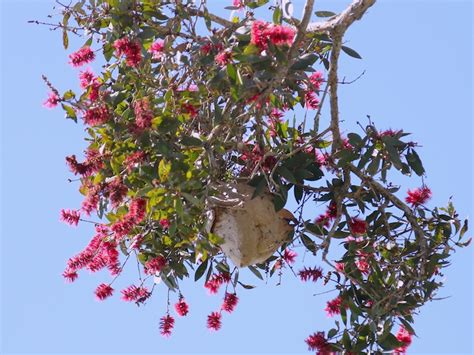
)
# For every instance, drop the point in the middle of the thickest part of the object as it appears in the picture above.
(354, 12)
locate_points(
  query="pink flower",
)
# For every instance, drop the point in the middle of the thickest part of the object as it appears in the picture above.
(116, 191)
(97, 115)
(70, 275)
(258, 34)
(155, 265)
(238, 3)
(281, 35)
(181, 307)
(92, 164)
(166, 325)
(86, 78)
(223, 58)
(215, 281)
(363, 265)
(137, 210)
(340, 267)
(311, 100)
(189, 109)
(316, 79)
(135, 294)
(333, 307)
(289, 256)
(131, 50)
(165, 223)
(143, 113)
(156, 49)
(71, 217)
(122, 227)
(103, 291)
(358, 226)
(405, 337)
(214, 321)
(418, 196)
(136, 242)
(317, 342)
(230, 301)
(134, 159)
(82, 56)
(52, 100)
(313, 274)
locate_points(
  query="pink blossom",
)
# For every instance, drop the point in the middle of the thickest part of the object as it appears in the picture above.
(311, 100)
(358, 226)
(137, 241)
(122, 227)
(258, 34)
(166, 325)
(137, 210)
(86, 78)
(318, 342)
(103, 291)
(316, 79)
(181, 307)
(238, 3)
(363, 265)
(215, 282)
(289, 256)
(418, 196)
(97, 115)
(339, 267)
(165, 223)
(134, 159)
(313, 274)
(131, 50)
(116, 191)
(405, 337)
(333, 307)
(154, 266)
(281, 35)
(71, 217)
(143, 113)
(52, 100)
(82, 56)
(156, 49)
(223, 58)
(70, 275)
(92, 164)
(214, 321)
(135, 294)
(230, 301)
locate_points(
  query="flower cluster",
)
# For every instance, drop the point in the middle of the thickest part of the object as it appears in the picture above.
(262, 32)
(82, 56)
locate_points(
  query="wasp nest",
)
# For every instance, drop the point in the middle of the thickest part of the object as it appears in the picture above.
(251, 228)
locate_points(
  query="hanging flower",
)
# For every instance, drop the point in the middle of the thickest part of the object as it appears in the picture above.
(82, 56)
(103, 291)
(313, 274)
(181, 307)
(166, 325)
(418, 196)
(214, 321)
(230, 301)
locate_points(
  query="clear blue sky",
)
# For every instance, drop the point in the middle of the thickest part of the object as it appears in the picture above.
(418, 62)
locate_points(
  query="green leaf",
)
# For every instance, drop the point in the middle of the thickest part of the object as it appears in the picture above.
(256, 272)
(351, 52)
(415, 163)
(65, 39)
(287, 174)
(191, 141)
(325, 13)
(231, 72)
(247, 287)
(309, 243)
(389, 342)
(70, 112)
(355, 140)
(164, 169)
(374, 166)
(304, 62)
(201, 270)
(277, 15)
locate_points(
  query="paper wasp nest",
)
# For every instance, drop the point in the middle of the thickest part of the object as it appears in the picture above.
(251, 229)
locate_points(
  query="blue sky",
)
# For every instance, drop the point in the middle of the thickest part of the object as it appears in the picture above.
(418, 61)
